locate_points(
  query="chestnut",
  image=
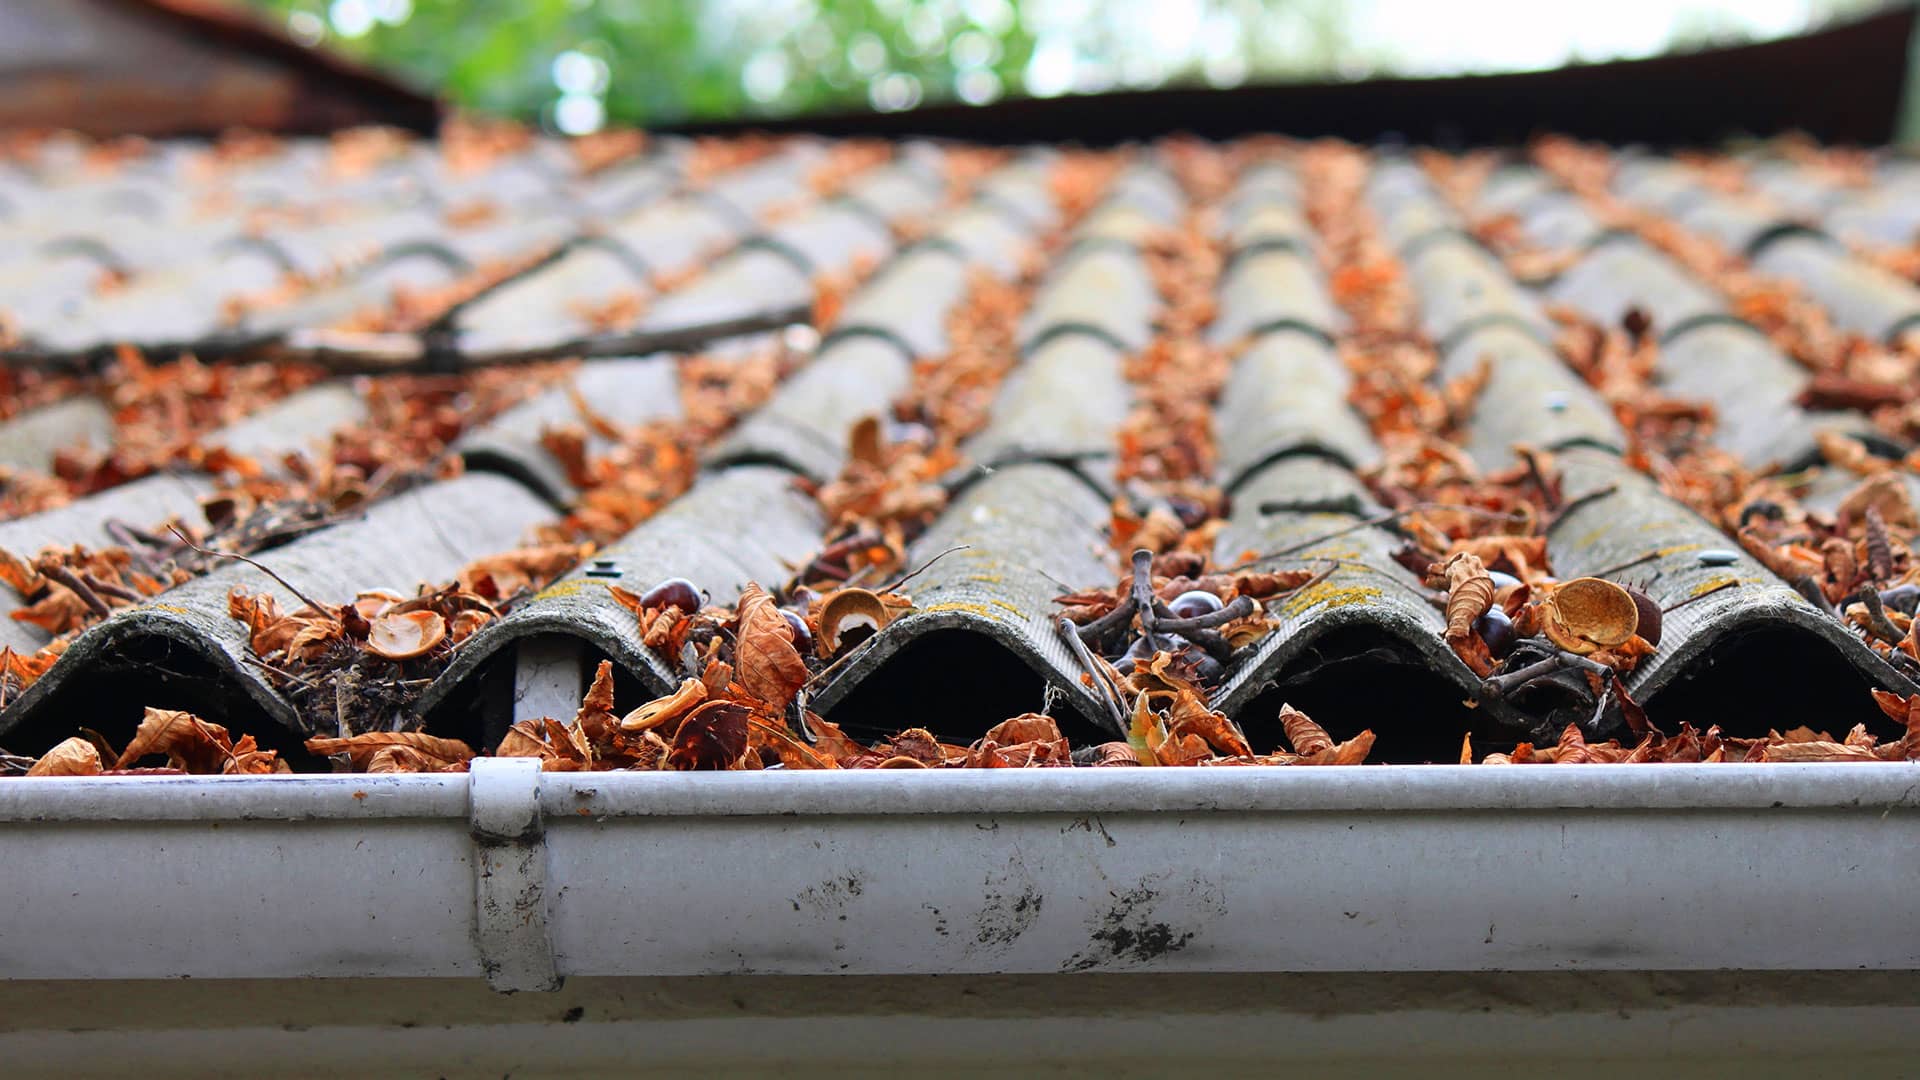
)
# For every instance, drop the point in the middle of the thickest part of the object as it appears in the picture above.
(673, 592)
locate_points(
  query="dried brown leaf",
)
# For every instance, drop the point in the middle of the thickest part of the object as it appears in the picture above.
(443, 754)
(792, 752)
(1306, 737)
(661, 710)
(189, 742)
(767, 664)
(712, 737)
(73, 757)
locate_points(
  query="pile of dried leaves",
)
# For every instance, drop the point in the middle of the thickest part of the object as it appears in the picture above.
(189, 744)
(1799, 745)
(161, 412)
(360, 666)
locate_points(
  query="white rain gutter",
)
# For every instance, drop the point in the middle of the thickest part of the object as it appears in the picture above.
(528, 878)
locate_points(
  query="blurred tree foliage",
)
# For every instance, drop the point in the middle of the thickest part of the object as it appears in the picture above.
(573, 63)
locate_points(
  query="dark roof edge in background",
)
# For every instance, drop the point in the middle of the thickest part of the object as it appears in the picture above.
(1845, 84)
(376, 97)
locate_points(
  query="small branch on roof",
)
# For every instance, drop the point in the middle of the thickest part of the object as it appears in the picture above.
(1498, 687)
(1108, 694)
(50, 568)
(922, 568)
(263, 568)
(360, 354)
(1387, 520)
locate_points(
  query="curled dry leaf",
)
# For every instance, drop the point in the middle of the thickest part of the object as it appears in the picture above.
(767, 664)
(406, 636)
(1469, 596)
(407, 751)
(1588, 614)
(1190, 716)
(595, 720)
(1305, 736)
(196, 746)
(1109, 755)
(189, 742)
(1027, 727)
(714, 736)
(665, 711)
(373, 603)
(405, 759)
(792, 752)
(73, 757)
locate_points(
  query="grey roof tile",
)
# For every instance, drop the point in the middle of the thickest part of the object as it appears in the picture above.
(1064, 403)
(1462, 287)
(769, 525)
(1287, 395)
(1104, 289)
(804, 427)
(1271, 288)
(1860, 297)
(423, 535)
(1658, 543)
(1026, 531)
(1531, 398)
(31, 439)
(1753, 388)
(623, 391)
(909, 298)
(1625, 273)
(1367, 627)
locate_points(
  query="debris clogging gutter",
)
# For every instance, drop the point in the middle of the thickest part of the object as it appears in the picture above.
(527, 877)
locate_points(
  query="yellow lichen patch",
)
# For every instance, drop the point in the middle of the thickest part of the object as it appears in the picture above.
(1325, 554)
(986, 579)
(1014, 611)
(1677, 549)
(570, 587)
(1722, 582)
(1331, 593)
(171, 609)
(960, 605)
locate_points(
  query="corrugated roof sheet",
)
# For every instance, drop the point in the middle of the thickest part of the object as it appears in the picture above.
(402, 254)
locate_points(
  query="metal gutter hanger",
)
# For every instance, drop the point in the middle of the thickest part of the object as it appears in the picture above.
(510, 876)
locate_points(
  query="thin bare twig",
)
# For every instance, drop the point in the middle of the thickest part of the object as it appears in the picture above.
(1377, 521)
(51, 569)
(108, 588)
(1108, 693)
(284, 583)
(1702, 595)
(923, 567)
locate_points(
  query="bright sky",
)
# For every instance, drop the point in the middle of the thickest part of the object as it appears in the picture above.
(1448, 36)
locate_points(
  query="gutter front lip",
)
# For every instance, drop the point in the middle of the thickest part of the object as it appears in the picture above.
(1886, 786)
(526, 878)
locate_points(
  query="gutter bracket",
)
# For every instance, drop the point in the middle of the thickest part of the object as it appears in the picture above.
(510, 875)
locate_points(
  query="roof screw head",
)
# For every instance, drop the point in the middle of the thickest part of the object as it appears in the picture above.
(604, 568)
(1717, 557)
(1556, 401)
